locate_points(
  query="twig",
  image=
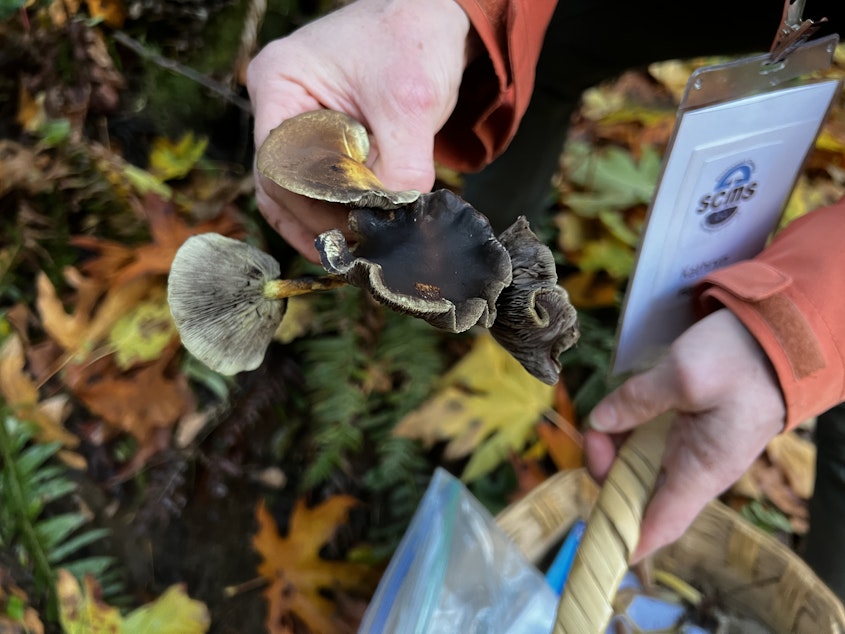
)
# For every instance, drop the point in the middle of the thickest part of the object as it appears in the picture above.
(185, 71)
(246, 586)
(255, 12)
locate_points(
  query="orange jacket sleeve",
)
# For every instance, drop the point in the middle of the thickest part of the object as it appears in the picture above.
(792, 299)
(496, 87)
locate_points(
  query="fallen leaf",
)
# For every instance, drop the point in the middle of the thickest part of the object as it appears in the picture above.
(764, 482)
(486, 405)
(809, 195)
(169, 160)
(297, 320)
(610, 177)
(111, 12)
(143, 333)
(609, 255)
(21, 394)
(148, 398)
(588, 289)
(20, 168)
(119, 264)
(616, 224)
(81, 611)
(190, 426)
(566, 448)
(572, 232)
(96, 311)
(60, 11)
(673, 74)
(174, 612)
(298, 576)
(529, 474)
(31, 114)
(563, 405)
(796, 458)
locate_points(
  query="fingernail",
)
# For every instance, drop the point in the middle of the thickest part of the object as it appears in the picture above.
(595, 422)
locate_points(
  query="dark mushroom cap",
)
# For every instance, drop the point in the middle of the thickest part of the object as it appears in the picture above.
(322, 155)
(436, 259)
(536, 321)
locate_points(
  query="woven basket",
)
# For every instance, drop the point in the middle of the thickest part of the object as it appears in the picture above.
(752, 574)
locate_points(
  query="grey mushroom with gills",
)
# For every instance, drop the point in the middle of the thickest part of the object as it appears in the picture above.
(536, 322)
(322, 154)
(227, 300)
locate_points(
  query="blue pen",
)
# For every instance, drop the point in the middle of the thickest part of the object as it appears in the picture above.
(559, 570)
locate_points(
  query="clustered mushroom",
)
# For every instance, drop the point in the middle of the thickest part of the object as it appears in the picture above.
(429, 255)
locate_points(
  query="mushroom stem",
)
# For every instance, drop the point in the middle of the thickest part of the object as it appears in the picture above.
(281, 289)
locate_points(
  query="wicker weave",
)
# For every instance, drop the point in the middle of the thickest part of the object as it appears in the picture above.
(751, 573)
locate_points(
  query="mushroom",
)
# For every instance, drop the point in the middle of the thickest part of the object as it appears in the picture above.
(322, 154)
(227, 302)
(431, 256)
(536, 321)
(436, 258)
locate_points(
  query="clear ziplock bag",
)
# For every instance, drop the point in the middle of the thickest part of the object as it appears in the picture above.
(456, 571)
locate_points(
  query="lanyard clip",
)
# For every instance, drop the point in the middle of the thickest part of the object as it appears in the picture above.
(793, 30)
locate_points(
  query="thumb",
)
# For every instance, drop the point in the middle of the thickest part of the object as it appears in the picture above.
(638, 400)
(405, 158)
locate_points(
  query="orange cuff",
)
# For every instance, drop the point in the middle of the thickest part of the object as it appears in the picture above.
(496, 88)
(789, 298)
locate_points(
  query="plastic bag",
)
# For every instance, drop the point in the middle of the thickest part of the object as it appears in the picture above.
(456, 571)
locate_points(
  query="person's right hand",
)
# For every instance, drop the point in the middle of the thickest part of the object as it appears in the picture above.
(394, 65)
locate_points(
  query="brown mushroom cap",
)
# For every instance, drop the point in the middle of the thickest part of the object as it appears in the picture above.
(436, 259)
(216, 295)
(322, 155)
(536, 321)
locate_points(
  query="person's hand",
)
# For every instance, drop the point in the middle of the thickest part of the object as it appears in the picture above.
(394, 65)
(728, 405)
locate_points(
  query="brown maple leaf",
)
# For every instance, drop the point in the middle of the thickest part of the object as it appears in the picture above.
(119, 264)
(143, 402)
(297, 574)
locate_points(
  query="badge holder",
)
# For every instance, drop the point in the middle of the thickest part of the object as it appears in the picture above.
(742, 136)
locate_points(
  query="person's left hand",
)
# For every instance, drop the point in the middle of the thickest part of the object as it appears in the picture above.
(728, 406)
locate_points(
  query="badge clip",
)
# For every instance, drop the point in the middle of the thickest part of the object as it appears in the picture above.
(793, 30)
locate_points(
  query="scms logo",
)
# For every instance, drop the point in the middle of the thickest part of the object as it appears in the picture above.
(732, 188)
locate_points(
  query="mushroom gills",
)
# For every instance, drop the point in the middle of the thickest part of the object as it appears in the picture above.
(217, 296)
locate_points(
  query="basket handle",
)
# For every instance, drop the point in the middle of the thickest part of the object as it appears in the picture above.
(612, 532)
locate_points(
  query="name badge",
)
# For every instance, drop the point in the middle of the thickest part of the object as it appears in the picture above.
(743, 133)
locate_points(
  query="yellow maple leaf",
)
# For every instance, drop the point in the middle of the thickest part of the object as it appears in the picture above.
(82, 612)
(487, 405)
(298, 575)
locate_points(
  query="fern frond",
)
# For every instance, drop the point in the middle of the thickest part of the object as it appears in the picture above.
(353, 418)
(33, 487)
